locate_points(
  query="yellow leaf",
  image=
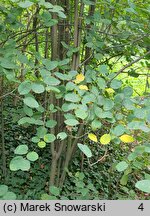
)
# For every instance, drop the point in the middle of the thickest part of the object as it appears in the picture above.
(126, 138)
(105, 139)
(92, 137)
(83, 87)
(109, 90)
(79, 78)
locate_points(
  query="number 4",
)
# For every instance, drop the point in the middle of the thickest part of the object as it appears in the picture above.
(141, 207)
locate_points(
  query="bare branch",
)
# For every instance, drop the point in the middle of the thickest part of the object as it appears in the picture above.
(128, 65)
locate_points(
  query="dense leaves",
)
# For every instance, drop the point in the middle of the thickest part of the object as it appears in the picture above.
(74, 72)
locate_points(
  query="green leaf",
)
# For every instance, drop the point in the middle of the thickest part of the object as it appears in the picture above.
(147, 176)
(96, 124)
(9, 196)
(24, 165)
(25, 4)
(32, 156)
(119, 130)
(80, 113)
(101, 83)
(48, 138)
(21, 150)
(53, 89)
(139, 113)
(19, 162)
(45, 196)
(71, 122)
(51, 123)
(88, 2)
(31, 102)
(28, 111)
(14, 163)
(41, 144)
(35, 139)
(61, 14)
(128, 104)
(38, 88)
(108, 104)
(54, 190)
(72, 97)
(6, 63)
(3, 190)
(115, 84)
(143, 185)
(50, 65)
(98, 111)
(103, 69)
(124, 180)
(147, 149)
(49, 80)
(61, 135)
(88, 98)
(132, 156)
(85, 149)
(24, 87)
(121, 166)
(41, 131)
(128, 91)
(63, 62)
(25, 120)
(70, 86)
(138, 125)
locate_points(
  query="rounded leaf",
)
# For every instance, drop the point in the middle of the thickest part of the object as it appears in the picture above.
(83, 87)
(49, 138)
(19, 163)
(85, 149)
(80, 113)
(143, 185)
(71, 122)
(31, 102)
(96, 124)
(72, 97)
(32, 156)
(9, 196)
(121, 166)
(79, 78)
(105, 139)
(54, 190)
(115, 84)
(38, 88)
(119, 130)
(14, 163)
(126, 138)
(62, 135)
(21, 150)
(3, 190)
(41, 144)
(92, 137)
(51, 123)
(24, 165)
(35, 139)
(24, 87)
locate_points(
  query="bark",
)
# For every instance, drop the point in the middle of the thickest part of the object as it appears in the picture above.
(88, 51)
(3, 153)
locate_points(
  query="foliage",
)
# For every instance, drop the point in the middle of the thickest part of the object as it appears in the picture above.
(68, 74)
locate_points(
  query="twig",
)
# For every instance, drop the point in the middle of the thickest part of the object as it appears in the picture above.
(8, 93)
(78, 137)
(128, 65)
(100, 159)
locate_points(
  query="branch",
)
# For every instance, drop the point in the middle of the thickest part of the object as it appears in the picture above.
(9, 93)
(100, 159)
(128, 65)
